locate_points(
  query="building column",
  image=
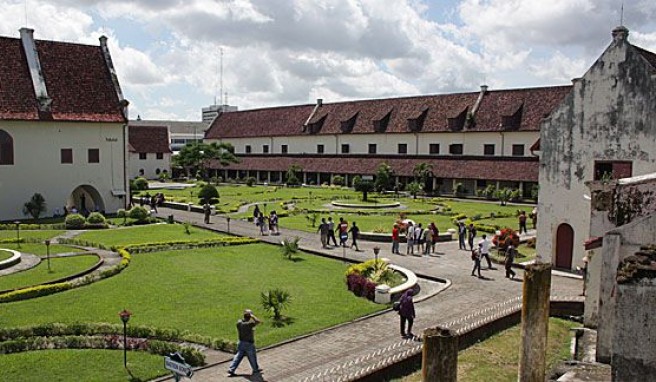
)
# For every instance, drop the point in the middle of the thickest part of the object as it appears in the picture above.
(305, 178)
(521, 189)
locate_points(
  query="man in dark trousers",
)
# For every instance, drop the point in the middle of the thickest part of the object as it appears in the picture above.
(511, 252)
(246, 344)
(522, 222)
(407, 313)
(484, 250)
(206, 212)
(476, 258)
(471, 235)
(462, 232)
(331, 231)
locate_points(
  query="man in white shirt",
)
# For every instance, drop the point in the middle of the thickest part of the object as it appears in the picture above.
(484, 249)
(419, 232)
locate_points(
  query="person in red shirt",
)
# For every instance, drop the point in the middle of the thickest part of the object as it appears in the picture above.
(395, 239)
(342, 229)
(522, 222)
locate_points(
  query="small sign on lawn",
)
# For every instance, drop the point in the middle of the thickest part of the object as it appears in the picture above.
(176, 363)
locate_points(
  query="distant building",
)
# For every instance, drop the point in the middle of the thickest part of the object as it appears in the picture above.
(150, 152)
(63, 127)
(210, 112)
(472, 140)
(180, 132)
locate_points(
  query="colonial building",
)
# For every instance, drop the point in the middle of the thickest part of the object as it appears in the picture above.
(63, 126)
(150, 154)
(604, 129)
(473, 139)
(180, 132)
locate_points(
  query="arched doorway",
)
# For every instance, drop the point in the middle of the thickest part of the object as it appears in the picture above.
(85, 199)
(564, 246)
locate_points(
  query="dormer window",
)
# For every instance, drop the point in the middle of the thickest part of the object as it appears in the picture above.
(416, 122)
(347, 126)
(380, 125)
(457, 123)
(514, 120)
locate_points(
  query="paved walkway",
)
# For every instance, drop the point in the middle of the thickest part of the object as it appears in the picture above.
(344, 352)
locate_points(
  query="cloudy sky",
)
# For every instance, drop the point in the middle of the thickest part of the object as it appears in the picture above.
(281, 52)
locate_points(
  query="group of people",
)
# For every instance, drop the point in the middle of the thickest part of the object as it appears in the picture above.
(328, 229)
(154, 201)
(268, 224)
(483, 252)
(466, 235)
(419, 240)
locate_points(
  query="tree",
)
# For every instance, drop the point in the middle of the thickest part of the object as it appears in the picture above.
(35, 207)
(503, 195)
(384, 175)
(364, 186)
(274, 301)
(292, 175)
(422, 173)
(208, 194)
(196, 156)
(290, 247)
(413, 188)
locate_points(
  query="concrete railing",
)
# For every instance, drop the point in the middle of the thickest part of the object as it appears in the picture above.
(13, 260)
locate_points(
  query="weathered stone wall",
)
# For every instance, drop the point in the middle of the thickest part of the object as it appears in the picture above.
(608, 116)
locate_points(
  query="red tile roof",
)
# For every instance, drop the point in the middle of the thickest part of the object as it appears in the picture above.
(525, 108)
(77, 80)
(483, 168)
(148, 139)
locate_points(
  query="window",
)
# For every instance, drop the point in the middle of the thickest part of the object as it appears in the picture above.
(455, 149)
(403, 148)
(612, 170)
(143, 156)
(434, 148)
(94, 156)
(158, 171)
(283, 149)
(320, 149)
(141, 172)
(488, 149)
(346, 148)
(518, 150)
(67, 156)
(6, 148)
(247, 149)
(160, 156)
(372, 148)
(265, 149)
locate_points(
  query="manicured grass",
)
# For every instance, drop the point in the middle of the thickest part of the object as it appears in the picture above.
(205, 291)
(40, 235)
(59, 267)
(39, 249)
(80, 365)
(525, 254)
(146, 234)
(497, 358)
(4, 255)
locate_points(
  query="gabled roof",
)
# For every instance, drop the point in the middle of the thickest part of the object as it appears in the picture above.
(76, 77)
(407, 114)
(148, 139)
(649, 56)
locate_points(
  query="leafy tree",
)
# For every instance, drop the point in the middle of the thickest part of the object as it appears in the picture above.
(208, 194)
(422, 173)
(196, 156)
(289, 247)
(413, 188)
(250, 181)
(384, 175)
(364, 186)
(503, 195)
(338, 180)
(292, 175)
(356, 180)
(275, 301)
(535, 190)
(35, 206)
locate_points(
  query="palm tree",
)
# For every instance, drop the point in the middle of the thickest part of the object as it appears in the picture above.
(413, 188)
(422, 172)
(275, 301)
(35, 207)
(290, 247)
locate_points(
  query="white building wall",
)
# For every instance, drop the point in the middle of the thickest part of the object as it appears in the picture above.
(150, 165)
(37, 164)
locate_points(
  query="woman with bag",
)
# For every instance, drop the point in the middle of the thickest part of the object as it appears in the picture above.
(407, 313)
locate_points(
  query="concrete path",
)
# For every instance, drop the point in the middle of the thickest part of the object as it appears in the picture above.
(344, 352)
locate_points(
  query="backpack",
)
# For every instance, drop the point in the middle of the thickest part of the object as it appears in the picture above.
(396, 306)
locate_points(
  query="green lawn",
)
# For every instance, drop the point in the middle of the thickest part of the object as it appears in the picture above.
(40, 235)
(146, 234)
(497, 358)
(59, 267)
(525, 254)
(80, 365)
(4, 255)
(39, 249)
(205, 291)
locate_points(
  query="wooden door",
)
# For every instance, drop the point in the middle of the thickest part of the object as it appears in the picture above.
(564, 246)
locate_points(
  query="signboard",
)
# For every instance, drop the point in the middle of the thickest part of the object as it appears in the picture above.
(367, 177)
(176, 364)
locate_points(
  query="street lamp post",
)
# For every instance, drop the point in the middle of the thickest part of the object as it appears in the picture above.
(376, 251)
(228, 220)
(48, 253)
(17, 233)
(125, 317)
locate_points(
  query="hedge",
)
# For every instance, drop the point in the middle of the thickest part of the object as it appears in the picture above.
(32, 227)
(163, 245)
(36, 291)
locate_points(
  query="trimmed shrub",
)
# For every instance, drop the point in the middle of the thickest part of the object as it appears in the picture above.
(208, 193)
(250, 181)
(138, 213)
(140, 184)
(338, 180)
(32, 292)
(96, 218)
(121, 213)
(75, 221)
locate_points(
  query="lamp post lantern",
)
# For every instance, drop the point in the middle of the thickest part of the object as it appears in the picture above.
(17, 233)
(125, 317)
(48, 253)
(376, 251)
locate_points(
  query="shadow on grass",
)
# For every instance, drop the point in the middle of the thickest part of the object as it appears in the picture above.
(282, 322)
(133, 378)
(296, 259)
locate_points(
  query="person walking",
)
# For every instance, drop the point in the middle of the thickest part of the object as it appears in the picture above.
(395, 239)
(476, 258)
(511, 252)
(261, 222)
(342, 230)
(355, 232)
(331, 231)
(522, 222)
(471, 235)
(273, 223)
(256, 213)
(484, 250)
(323, 231)
(206, 212)
(462, 231)
(419, 233)
(428, 241)
(246, 345)
(534, 217)
(436, 234)
(407, 314)
(410, 239)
